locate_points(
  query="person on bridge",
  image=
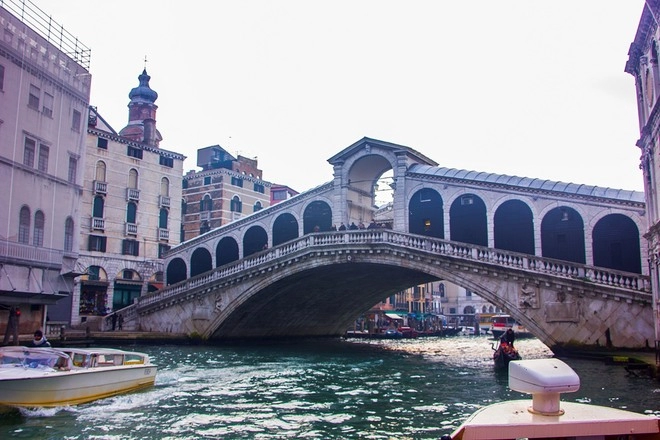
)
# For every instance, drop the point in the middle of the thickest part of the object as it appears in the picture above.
(342, 227)
(509, 336)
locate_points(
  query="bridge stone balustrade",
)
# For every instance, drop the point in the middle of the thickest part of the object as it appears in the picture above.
(313, 286)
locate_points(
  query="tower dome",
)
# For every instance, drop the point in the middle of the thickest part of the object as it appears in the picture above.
(142, 114)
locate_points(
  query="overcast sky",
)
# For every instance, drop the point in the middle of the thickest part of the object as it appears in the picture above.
(520, 87)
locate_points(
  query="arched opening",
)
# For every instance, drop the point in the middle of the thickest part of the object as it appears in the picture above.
(426, 213)
(226, 251)
(200, 261)
(176, 271)
(285, 228)
(93, 292)
(467, 220)
(514, 227)
(317, 214)
(616, 244)
(254, 240)
(128, 285)
(562, 235)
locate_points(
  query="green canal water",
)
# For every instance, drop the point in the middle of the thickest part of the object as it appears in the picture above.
(321, 389)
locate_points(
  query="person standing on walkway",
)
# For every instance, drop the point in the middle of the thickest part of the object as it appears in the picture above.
(12, 325)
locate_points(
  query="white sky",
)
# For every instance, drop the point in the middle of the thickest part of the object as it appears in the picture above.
(521, 87)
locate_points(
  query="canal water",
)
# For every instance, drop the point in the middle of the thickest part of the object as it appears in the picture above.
(318, 389)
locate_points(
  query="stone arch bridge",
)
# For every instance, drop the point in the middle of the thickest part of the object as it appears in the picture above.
(564, 259)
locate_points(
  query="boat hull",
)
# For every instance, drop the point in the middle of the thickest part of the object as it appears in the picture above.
(48, 389)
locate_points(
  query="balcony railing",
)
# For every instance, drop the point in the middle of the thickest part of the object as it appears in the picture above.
(98, 224)
(163, 234)
(204, 215)
(100, 187)
(164, 201)
(12, 252)
(131, 228)
(132, 194)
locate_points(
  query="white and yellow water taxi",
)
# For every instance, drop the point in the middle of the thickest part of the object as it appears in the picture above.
(545, 417)
(47, 377)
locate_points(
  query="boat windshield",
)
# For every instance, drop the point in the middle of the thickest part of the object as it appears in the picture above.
(34, 358)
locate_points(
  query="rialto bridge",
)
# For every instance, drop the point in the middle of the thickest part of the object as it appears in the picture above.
(566, 260)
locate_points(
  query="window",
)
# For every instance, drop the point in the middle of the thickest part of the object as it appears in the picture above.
(279, 195)
(100, 171)
(164, 187)
(28, 152)
(94, 273)
(130, 247)
(131, 213)
(39, 221)
(75, 120)
(33, 99)
(167, 161)
(68, 234)
(133, 178)
(257, 207)
(47, 109)
(237, 181)
(73, 169)
(102, 143)
(97, 209)
(236, 205)
(204, 227)
(206, 204)
(96, 243)
(162, 219)
(24, 225)
(184, 207)
(259, 188)
(2, 77)
(44, 151)
(162, 249)
(184, 184)
(207, 180)
(134, 152)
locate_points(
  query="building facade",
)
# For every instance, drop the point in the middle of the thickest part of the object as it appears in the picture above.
(44, 95)
(643, 65)
(226, 189)
(130, 211)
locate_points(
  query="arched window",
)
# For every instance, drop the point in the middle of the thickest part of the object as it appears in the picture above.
(162, 218)
(165, 187)
(257, 207)
(97, 210)
(100, 171)
(133, 179)
(24, 225)
(68, 234)
(39, 222)
(131, 213)
(236, 204)
(206, 204)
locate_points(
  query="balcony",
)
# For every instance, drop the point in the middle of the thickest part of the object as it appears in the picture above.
(98, 224)
(132, 194)
(164, 201)
(131, 228)
(204, 215)
(163, 234)
(100, 187)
